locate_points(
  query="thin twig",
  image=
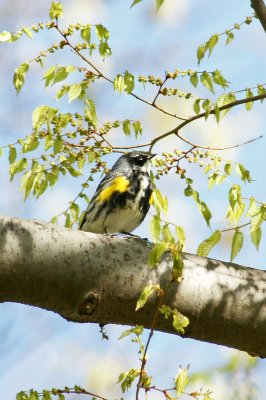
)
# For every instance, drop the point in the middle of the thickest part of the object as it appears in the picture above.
(176, 130)
(101, 75)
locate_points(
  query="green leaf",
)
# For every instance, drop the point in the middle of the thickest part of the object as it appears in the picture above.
(218, 78)
(249, 94)
(19, 76)
(156, 253)
(159, 3)
(74, 92)
(56, 10)
(90, 112)
(237, 244)
(126, 127)
(5, 36)
(256, 237)
(85, 33)
(206, 80)
(167, 235)
(230, 37)
(60, 75)
(159, 201)
(203, 208)
(181, 380)
(200, 53)
(145, 294)
(119, 83)
(212, 42)
(129, 83)
(58, 145)
(12, 154)
(179, 321)
(137, 128)
(49, 75)
(27, 182)
(207, 245)
(180, 233)
(155, 228)
(28, 32)
(228, 168)
(102, 32)
(196, 106)
(243, 173)
(194, 79)
(135, 2)
(74, 209)
(104, 50)
(17, 166)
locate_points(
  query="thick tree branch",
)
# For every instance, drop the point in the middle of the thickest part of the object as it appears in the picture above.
(260, 10)
(96, 278)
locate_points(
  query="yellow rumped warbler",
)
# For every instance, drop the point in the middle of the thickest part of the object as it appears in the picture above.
(122, 199)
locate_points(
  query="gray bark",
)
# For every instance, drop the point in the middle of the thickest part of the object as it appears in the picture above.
(260, 10)
(86, 277)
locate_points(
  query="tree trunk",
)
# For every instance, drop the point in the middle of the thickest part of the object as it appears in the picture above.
(86, 277)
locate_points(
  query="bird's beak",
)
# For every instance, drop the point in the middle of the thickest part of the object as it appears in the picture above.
(151, 156)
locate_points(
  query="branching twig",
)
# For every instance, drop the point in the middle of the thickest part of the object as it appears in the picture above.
(176, 130)
(101, 75)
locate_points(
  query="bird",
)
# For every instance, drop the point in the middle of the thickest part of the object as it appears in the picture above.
(122, 198)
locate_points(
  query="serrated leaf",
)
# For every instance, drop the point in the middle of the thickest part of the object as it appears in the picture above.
(243, 173)
(19, 76)
(74, 209)
(155, 228)
(74, 92)
(102, 32)
(137, 128)
(85, 33)
(200, 53)
(167, 234)
(156, 253)
(237, 244)
(212, 42)
(256, 237)
(230, 37)
(159, 201)
(90, 112)
(27, 182)
(58, 145)
(249, 105)
(218, 78)
(126, 127)
(180, 321)
(206, 80)
(17, 166)
(119, 83)
(12, 155)
(194, 79)
(196, 106)
(181, 380)
(207, 245)
(181, 235)
(145, 294)
(228, 168)
(203, 208)
(60, 75)
(129, 83)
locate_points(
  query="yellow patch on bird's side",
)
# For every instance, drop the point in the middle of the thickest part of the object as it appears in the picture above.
(151, 198)
(119, 184)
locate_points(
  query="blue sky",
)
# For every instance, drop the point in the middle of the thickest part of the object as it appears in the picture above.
(39, 349)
